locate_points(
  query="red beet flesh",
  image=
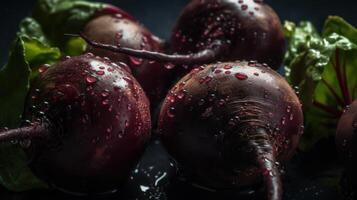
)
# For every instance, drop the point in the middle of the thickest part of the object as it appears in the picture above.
(230, 123)
(88, 123)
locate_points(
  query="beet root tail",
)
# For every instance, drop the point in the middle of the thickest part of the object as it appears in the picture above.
(267, 164)
(23, 133)
(211, 54)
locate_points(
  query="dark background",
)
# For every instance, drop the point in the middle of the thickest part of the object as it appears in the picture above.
(160, 15)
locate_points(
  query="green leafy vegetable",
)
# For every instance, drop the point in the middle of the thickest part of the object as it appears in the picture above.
(15, 78)
(61, 17)
(38, 42)
(324, 68)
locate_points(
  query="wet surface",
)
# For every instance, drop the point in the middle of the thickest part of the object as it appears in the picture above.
(155, 177)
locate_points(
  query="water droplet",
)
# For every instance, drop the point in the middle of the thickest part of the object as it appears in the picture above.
(171, 112)
(89, 55)
(43, 69)
(90, 79)
(105, 94)
(227, 72)
(244, 7)
(283, 121)
(253, 63)
(109, 129)
(241, 76)
(228, 66)
(169, 66)
(110, 69)
(291, 117)
(218, 71)
(127, 124)
(144, 188)
(135, 60)
(182, 94)
(170, 98)
(201, 102)
(206, 79)
(118, 37)
(105, 102)
(100, 73)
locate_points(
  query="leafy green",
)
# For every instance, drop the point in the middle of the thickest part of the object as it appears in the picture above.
(40, 40)
(61, 17)
(324, 68)
(15, 78)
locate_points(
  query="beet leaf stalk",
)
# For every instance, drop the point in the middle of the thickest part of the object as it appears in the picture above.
(211, 54)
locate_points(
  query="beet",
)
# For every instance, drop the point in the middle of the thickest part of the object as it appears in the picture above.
(346, 143)
(231, 124)
(221, 30)
(119, 28)
(347, 129)
(87, 123)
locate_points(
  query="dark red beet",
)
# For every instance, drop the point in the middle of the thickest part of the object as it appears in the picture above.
(347, 129)
(212, 30)
(87, 124)
(230, 123)
(124, 30)
(346, 141)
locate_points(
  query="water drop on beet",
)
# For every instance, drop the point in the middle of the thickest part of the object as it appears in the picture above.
(283, 121)
(90, 79)
(228, 67)
(169, 66)
(181, 94)
(206, 79)
(136, 61)
(244, 7)
(43, 69)
(218, 71)
(100, 73)
(291, 117)
(241, 76)
(171, 112)
(110, 69)
(105, 94)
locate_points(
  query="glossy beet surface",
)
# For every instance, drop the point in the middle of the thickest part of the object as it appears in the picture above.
(218, 30)
(123, 30)
(221, 120)
(346, 144)
(347, 129)
(252, 29)
(98, 122)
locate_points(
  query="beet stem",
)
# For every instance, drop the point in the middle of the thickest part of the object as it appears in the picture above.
(334, 93)
(23, 133)
(202, 57)
(332, 111)
(267, 164)
(342, 80)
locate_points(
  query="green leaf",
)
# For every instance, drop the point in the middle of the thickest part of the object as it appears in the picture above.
(61, 17)
(324, 68)
(15, 79)
(31, 28)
